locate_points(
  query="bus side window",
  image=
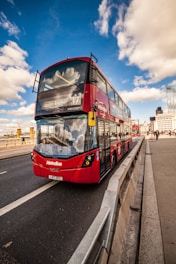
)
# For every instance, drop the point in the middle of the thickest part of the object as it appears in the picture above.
(111, 93)
(120, 103)
(113, 132)
(116, 99)
(93, 74)
(118, 132)
(101, 134)
(101, 84)
(107, 138)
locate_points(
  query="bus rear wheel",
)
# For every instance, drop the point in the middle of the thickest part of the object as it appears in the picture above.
(113, 161)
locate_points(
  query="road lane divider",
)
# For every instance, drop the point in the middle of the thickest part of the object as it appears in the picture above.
(26, 198)
(3, 172)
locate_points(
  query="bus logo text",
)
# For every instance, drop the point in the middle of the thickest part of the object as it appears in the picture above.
(54, 163)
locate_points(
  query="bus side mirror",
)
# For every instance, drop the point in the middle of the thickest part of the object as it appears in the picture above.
(92, 119)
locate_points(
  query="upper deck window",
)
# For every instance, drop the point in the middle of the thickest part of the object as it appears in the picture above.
(64, 74)
(101, 84)
(61, 87)
(111, 93)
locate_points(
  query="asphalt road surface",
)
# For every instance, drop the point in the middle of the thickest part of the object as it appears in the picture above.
(46, 225)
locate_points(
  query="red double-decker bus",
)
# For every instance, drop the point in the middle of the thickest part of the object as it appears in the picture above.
(83, 127)
(135, 130)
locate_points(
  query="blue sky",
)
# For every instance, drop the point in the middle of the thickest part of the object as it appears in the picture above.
(134, 41)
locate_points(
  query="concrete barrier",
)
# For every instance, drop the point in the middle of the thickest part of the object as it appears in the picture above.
(12, 142)
(118, 198)
(125, 243)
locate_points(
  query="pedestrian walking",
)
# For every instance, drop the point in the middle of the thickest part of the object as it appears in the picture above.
(23, 140)
(157, 134)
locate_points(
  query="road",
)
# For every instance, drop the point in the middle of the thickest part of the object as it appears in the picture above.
(45, 228)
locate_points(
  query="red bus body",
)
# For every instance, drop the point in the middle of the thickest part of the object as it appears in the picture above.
(68, 148)
(135, 130)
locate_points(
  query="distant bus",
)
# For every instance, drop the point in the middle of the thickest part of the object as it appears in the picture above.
(83, 127)
(135, 130)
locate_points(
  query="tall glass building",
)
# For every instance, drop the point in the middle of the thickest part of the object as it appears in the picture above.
(171, 99)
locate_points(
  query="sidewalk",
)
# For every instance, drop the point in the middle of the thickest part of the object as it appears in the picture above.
(161, 136)
(15, 151)
(158, 227)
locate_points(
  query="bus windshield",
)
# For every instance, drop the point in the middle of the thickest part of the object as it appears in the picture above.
(64, 137)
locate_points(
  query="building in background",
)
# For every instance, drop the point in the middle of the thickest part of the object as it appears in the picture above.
(144, 128)
(29, 134)
(18, 132)
(32, 132)
(171, 99)
(165, 121)
(159, 110)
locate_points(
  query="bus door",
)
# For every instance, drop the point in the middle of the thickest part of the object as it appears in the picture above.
(104, 146)
(122, 139)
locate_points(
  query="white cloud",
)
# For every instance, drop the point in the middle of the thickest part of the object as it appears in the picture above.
(22, 103)
(11, 2)
(143, 94)
(104, 14)
(12, 55)
(119, 22)
(15, 77)
(139, 80)
(10, 126)
(3, 102)
(14, 72)
(4, 120)
(173, 83)
(22, 111)
(11, 28)
(147, 37)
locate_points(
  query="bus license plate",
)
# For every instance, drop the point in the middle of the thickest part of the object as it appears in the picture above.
(56, 178)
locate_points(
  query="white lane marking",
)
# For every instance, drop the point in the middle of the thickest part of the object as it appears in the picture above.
(25, 198)
(3, 172)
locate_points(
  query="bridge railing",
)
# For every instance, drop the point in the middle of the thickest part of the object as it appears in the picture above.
(95, 245)
(12, 142)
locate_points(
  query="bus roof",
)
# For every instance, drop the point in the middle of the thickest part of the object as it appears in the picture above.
(88, 59)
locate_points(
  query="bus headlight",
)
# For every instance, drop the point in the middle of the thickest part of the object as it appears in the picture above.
(32, 156)
(88, 160)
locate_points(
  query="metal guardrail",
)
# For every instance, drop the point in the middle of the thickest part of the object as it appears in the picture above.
(98, 239)
(85, 247)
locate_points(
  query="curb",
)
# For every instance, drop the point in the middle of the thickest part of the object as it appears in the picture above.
(151, 245)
